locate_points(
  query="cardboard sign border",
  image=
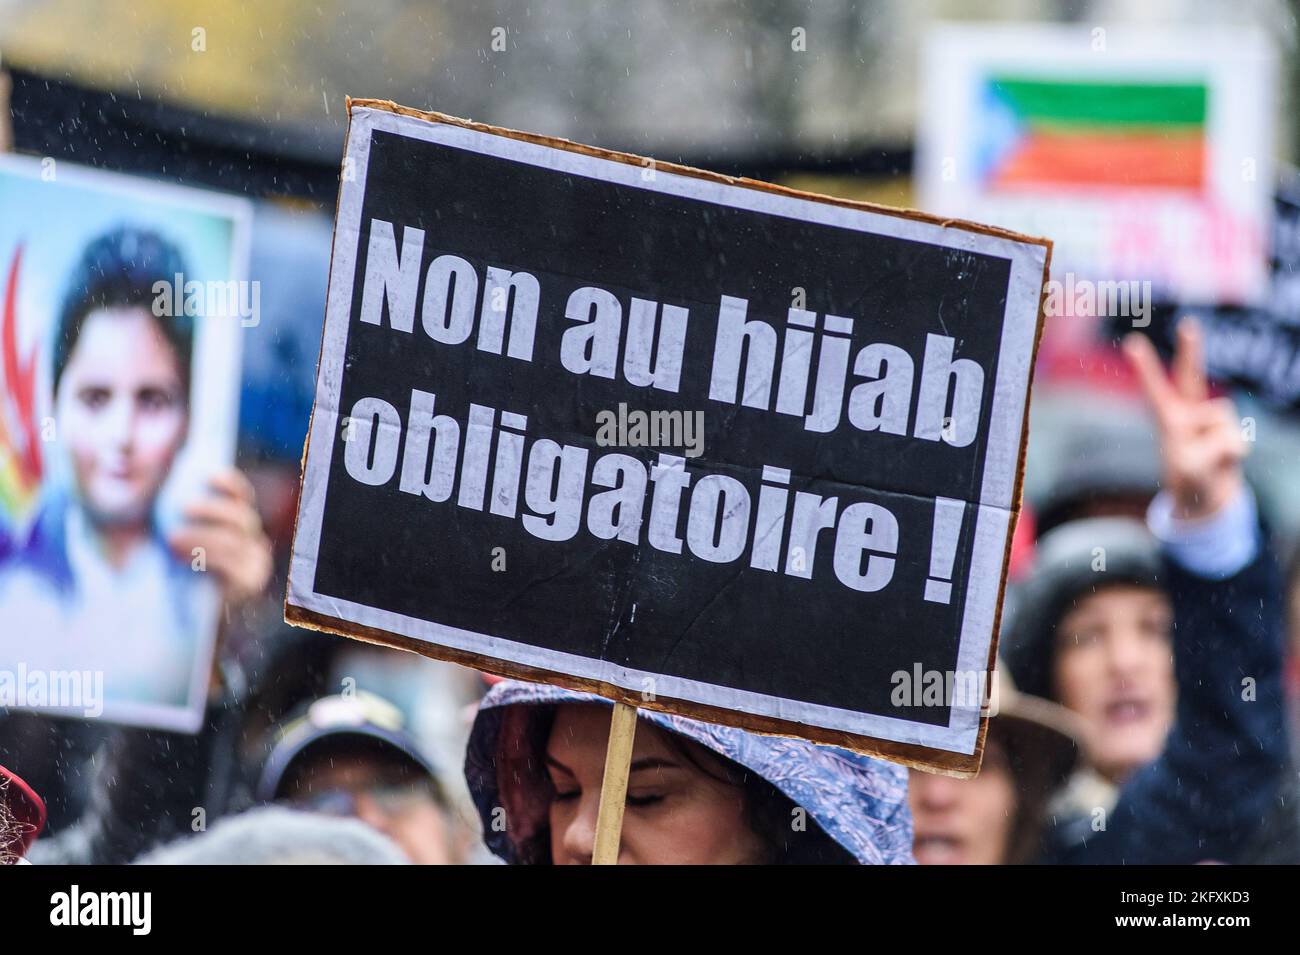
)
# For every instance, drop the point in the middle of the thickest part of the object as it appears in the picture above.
(909, 754)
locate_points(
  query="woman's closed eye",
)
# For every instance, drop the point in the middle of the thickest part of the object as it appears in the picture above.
(643, 800)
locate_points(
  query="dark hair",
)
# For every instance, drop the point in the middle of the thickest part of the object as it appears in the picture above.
(119, 270)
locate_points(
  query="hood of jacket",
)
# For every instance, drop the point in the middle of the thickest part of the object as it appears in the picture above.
(858, 801)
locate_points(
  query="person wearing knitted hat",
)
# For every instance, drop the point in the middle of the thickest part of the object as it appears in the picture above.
(1107, 464)
(1166, 641)
(698, 793)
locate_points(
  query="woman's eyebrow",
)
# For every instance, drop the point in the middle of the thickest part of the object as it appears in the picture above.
(1084, 620)
(556, 764)
(648, 762)
(653, 762)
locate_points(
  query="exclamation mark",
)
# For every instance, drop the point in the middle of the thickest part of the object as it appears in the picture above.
(943, 548)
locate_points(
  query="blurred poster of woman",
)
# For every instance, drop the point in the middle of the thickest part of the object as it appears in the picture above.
(119, 351)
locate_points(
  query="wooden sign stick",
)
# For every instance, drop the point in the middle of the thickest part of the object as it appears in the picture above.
(613, 787)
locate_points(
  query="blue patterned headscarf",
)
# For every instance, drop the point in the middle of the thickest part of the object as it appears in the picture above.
(858, 801)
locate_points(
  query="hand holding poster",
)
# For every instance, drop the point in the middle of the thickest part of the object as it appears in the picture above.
(690, 442)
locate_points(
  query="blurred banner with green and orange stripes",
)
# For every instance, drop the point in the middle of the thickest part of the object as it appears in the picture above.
(1091, 133)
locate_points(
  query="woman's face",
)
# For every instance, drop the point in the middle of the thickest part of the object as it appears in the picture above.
(122, 413)
(964, 821)
(1114, 667)
(676, 813)
(388, 798)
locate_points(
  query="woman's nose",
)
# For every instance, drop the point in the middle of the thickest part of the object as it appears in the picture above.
(934, 792)
(119, 421)
(580, 832)
(1125, 651)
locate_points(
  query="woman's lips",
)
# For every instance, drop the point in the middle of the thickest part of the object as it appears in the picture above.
(122, 471)
(1127, 711)
(937, 848)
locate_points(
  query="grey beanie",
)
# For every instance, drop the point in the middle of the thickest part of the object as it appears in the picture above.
(1073, 560)
(1118, 456)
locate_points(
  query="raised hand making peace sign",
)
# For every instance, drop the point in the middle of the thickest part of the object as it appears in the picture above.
(1200, 437)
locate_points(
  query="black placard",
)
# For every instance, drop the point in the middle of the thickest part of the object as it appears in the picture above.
(814, 532)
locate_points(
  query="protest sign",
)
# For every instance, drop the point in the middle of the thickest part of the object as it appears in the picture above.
(119, 375)
(1145, 153)
(1254, 347)
(690, 442)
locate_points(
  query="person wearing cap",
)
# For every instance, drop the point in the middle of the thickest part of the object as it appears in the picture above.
(22, 817)
(1166, 642)
(698, 793)
(997, 816)
(350, 756)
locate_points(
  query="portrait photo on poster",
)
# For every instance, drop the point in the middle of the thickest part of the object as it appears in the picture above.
(699, 444)
(120, 328)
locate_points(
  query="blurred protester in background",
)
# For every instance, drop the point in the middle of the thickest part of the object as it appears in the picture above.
(349, 756)
(1169, 649)
(1095, 601)
(22, 816)
(698, 793)
(998, 816)
(286, 669)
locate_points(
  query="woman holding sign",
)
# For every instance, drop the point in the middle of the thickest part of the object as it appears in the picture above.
(698, 793)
